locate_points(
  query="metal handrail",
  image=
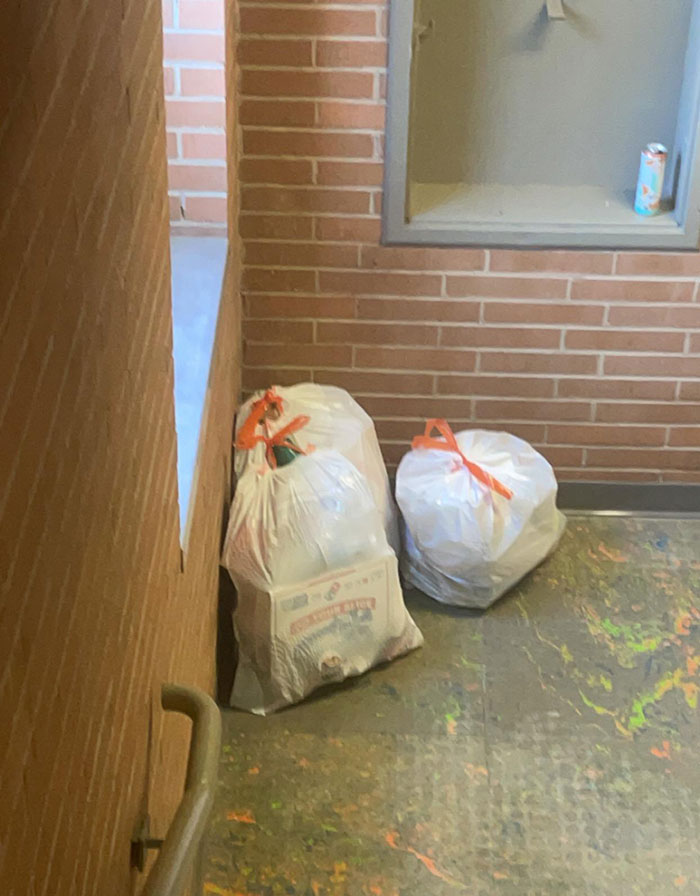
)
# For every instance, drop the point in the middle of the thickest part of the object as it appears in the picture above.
(166, 877)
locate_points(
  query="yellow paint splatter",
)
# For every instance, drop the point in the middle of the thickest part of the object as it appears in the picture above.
(340, 872)
(221, 891)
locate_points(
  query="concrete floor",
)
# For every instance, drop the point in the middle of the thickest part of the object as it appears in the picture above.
(548, 746)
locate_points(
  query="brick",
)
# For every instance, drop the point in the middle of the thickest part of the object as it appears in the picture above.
(171, 145)
(545, 313)
(632, 290)
(280, 83)
(206, 15)
(626, 390)
(625, 340)
(532, 410)
(276, 171)
(694, 345)
(197, 177)
(293, 53)
(663, 317)
(433, 310)
(348, 229)
(274, 20)
(184, 114)
(376, 334)
(658, 264)
(351, 54)
(204, 146)
(267, 331)
(350, 173)
(685, 436)
(534, 362)
(283, 227)
(278, 113)
(168, 80)
(304, 143)
(358, 382)
(194, 47)
(285, 199)
(561, 456)
(259, 305)
(512, 386)
(635, 458)
(690, 391)
(500, 337)
(547, 261)
(644, 412)
(293, 354)
(507, 287)
(362, 116)
(262, 279)
(595, 434)
(255, 379)
(651, 366)
(418, 259)
(175, 208)
(202, 81)
(206, 208)
(370, 283)
(418, 408)
(415, 359)
(303, 255)
(167, 10)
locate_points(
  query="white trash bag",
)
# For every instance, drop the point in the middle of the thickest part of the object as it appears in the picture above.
(336, 421)
(319, 598)
(479, 512)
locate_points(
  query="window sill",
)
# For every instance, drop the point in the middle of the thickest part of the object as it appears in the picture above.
(197, 265)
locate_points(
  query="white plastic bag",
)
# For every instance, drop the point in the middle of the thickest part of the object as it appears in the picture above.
(336, 421)
(466, 542)
(319, 597)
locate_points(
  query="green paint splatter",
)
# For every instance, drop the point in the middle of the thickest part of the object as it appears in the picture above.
(566, 654)
(276, 804)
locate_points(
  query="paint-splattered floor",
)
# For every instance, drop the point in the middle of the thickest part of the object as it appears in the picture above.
(548, 746)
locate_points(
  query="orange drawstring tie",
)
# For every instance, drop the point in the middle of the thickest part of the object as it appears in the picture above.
(450, 444)
(249, 437)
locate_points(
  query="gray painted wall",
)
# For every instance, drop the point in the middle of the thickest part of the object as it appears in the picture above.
(502, 95)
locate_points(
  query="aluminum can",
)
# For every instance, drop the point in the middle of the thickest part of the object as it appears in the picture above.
(651, 179)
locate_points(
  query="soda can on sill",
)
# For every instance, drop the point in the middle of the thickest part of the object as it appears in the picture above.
(651, 179)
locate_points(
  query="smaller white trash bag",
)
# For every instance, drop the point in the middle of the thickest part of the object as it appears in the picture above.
(479, 512)
(319, 597)
(335, 420)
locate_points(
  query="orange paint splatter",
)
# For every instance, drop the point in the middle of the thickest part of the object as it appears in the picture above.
(376, 891)
(683, 624)
(254, 770)
(315, 888)
(692, 664)
(391, 838)
(612, 554)
(664, 752)
(245, 817)
(680, 881)
(500, 875)
(451, 726)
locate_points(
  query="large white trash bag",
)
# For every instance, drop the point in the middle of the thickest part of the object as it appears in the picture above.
(335, 421)
(479, 512)
(319, 597)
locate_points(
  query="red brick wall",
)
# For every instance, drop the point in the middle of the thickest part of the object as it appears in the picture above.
(193, 47)
(96, 607)
(594, 357)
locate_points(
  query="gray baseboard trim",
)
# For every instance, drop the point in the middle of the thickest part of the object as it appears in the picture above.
(649, 499)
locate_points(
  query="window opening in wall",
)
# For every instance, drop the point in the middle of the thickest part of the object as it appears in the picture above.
(194, 77)
(522, 122)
